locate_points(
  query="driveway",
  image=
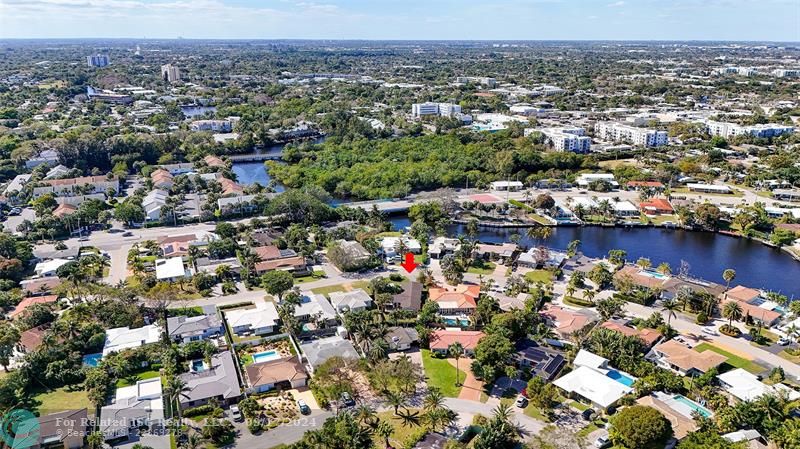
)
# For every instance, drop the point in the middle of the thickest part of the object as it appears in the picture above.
(285, 434)
(153, 441)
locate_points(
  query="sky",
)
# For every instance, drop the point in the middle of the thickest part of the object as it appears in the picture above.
(738, 20)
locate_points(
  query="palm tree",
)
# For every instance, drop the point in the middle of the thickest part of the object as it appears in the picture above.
(664, 268)
(732, 311)
(670, 306)
(456, 351)
(409, 418)
(194, 441)
(571, 289)
(728, 275)
(177, 389)
(384, 430)
(95, 440)
(395, 399)
(589, 294)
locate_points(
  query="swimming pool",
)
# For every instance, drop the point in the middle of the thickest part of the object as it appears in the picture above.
(653, 274)
(621, 378)
(265, 356)
(198, 366)
(693, 405)
(453, 322)
(92, 359)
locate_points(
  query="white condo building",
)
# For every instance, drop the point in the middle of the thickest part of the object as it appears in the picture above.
(568, 139)
(97, 60)
(619, 132)
(726, 129)
(786, 73)
(170, 73)
(440, 109)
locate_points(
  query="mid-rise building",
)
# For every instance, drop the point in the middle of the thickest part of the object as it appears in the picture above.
(220, 126)
(170, 73)
(438, 109)
(786, 73)
(107, 96)
(765, 130)
(482, 80)
(568, 139)
(97, 60)
(619, 132)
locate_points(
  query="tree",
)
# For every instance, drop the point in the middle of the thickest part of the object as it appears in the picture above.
(277, 282)
(640, 427)
(664, 268)
(609, 307)
(9, 338)
(732, 311)
(130, 211)
(728, 275)
(617, 257)
(600, 275)
(452, 269)
(342, 431)
(456, 351)
(499, 432)
(492, 352)
(670, 306)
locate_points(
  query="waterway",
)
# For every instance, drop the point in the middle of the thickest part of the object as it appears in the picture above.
(256, 172)
(708, 254)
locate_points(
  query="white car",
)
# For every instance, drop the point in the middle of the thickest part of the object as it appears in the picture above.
(521, 401)
(709, 331)
(783, 341)
(602, 442)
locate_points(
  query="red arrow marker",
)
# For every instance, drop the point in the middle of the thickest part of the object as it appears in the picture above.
(409, 263)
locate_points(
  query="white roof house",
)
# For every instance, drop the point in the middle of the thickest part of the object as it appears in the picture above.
(48, 268)
(120, 338)
(353, 300)
(590, 360)
(585, 179)
(259, 320)
(312, 304)
(593, 385)
(713, 188)
(141, 404)
(747, 387)
(506, 185)
(170, 269)
(389, 245)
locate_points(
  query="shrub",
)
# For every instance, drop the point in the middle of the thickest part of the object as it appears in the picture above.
(197, 411)
(254, 426)
(731, 331)
(235, 305)
(701, 318)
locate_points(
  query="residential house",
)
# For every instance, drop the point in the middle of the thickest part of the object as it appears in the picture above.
(230, 188)
(648, 336)
(642, 279)
(62, 430)
(502, 253)
(171, 270)
(539, 256)
(543, 362)
(216, 381)
(120, 338)
(656, 206)
(441, 339)
(745, 386)
(410, 298)
(152, 204)
(394, 247)
(178, 245)
(354, 300)
(751, 437)
(356, 254)
(401, 338)
(285, 373)
(753, 305)
(675, 285)
(214, 161)
(593, 381)
(183, 329)
(23, 305)
(260, 320)
(48, 268)
(565, 321)
(315, 311)
(140, 405)
(456, 300)
(316, 352)
(39, 286)
(679, 414)
(162, 179)
(442, 246)
(678, 357)
(64, 209)
(273, 258)
(654, 186)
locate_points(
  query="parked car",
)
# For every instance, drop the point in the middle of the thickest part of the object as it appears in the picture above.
(304, 408)
(709, 331)
(127, 234)
(521, 401)
(783, 341)
(236, 414)
(348, 400)
(15, 211)
(602, 442)
(83, 239)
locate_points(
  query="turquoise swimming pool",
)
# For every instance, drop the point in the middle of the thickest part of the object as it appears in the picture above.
(621, 378)
(693, 405)
(455, 322)
(265, 356)
(92, 359)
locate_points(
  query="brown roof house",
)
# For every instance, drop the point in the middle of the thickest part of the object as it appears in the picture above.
(648, 336)
(410, 298)
(461, 299)
(678, 357)
(440, 340)
(753, 305)
(274, 258)
(285, 373)
(62, 430)
(564, 321)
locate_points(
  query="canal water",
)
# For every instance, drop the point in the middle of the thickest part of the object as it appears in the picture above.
(256, 172)
(708, 254)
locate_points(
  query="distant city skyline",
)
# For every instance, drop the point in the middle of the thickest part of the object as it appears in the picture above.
(730, 20)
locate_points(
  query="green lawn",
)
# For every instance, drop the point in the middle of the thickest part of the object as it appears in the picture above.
(400, 433)
(60, 400)
(733, 359)
(535, 276)
(339, 288)
(789, 357)
(441, 374)
(144, 375)
(533, 411)
(389, 234)
(578, 405)
(660, 219)
(540, 219)
(485, 268)
(315, 276)
(577, 302)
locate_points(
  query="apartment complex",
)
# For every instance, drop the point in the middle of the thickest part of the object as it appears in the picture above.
(765, 130)
(72, 186)
(568, 139)
(170, 73)
(482, 80)
(97, 60)
(220, 126)
(438, 109)
(619, 132)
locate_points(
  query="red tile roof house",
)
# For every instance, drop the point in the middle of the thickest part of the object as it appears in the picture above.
(28, 302)
(748, 300)
(656, 206)
(564, 321)
(441, 340)
(648, 336)
(459, 300)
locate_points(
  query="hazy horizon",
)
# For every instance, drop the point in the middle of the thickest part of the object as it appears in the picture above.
(442, 20)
